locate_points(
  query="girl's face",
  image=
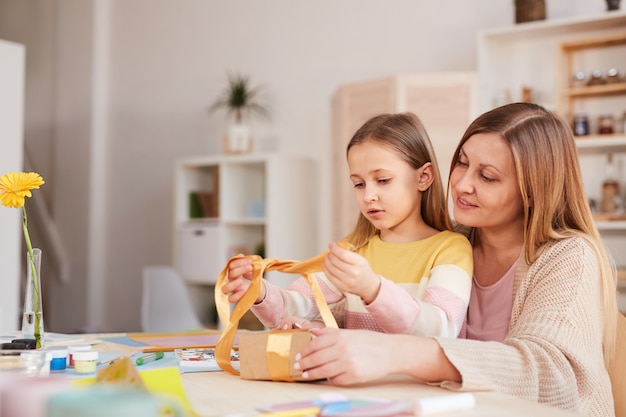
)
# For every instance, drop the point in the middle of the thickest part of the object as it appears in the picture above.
(387, 190)
(484, 184)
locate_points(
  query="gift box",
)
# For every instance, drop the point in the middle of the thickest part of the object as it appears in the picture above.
(270, 355)
(267, 355)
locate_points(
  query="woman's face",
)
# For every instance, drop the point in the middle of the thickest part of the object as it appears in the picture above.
(484, 184)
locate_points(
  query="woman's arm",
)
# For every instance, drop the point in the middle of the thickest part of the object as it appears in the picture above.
(349, 357)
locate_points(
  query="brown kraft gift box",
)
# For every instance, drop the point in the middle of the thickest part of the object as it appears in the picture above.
(270, 355)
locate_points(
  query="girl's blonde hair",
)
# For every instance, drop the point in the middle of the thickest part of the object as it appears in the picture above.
(405, 134)
(551, 185)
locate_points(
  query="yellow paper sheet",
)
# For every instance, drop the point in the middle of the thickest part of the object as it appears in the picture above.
(162, 381)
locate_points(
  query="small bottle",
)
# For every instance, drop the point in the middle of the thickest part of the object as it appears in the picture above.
(612, 76)
(581, 124)
(605, 124)
(610, 187)
(579, 79)
(596, 78)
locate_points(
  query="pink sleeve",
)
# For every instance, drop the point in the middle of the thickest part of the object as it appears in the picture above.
(270, 310)
(440, 311)
(394, 309)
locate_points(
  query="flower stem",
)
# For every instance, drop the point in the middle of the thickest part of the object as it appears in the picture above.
(33, 271)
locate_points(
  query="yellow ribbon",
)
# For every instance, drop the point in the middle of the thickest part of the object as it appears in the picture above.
(259, 266)
(278, 344)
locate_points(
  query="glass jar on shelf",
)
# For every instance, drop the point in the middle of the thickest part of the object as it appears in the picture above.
(612, 76)
(579, 79)
(581, 124)
(620, 124)
(610, 201)
(606, 124)
(596, 78)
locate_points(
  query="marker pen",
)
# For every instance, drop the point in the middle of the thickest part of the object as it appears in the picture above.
(150, 357)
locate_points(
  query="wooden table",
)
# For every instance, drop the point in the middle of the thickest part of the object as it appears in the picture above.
(220, 394)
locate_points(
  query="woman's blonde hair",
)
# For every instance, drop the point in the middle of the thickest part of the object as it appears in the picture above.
(551, 185)
(405, 134)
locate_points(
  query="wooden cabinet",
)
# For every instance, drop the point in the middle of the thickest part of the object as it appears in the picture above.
(544, 57)
(604, 56)
(229, 204)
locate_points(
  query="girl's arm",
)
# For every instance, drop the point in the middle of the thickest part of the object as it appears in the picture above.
(297, 301)
(439, 305)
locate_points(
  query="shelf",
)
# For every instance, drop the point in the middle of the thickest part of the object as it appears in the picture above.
(611, 225)
(595, 90)
(605, 50)
(601, 143)
(601, 42)
(553, 27)
(202, 220)
(245, 221)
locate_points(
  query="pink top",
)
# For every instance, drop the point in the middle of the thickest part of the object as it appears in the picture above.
(489, 311)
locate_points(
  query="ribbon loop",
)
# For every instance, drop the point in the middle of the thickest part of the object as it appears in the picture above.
(259, 266)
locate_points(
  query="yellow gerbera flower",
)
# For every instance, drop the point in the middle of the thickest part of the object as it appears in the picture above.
(16, 186)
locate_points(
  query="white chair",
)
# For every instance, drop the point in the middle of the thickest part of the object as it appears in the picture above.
(166, 305)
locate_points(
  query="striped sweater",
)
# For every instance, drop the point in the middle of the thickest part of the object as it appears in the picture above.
(425, 289)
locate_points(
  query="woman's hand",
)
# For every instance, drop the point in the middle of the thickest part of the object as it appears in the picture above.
(350, 272)
(239, 274)
(347, 357)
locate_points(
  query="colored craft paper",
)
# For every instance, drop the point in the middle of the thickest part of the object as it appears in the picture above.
(162, 381)
(176, 340)
(167, 381)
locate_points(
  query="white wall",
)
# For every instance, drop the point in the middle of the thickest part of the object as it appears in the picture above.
(126, 86)
(11, 155)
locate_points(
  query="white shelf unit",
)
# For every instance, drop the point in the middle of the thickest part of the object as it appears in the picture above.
(267, 199)
(537, 55)
(513, 57)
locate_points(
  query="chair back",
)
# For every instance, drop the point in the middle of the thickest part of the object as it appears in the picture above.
(165, 302)
(617, 369)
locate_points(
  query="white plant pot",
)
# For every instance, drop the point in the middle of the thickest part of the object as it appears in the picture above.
(238, 139)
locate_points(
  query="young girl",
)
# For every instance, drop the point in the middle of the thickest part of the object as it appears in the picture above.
(405, 272)
(542, 317)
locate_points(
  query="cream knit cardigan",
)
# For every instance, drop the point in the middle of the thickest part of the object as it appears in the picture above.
(552, 353)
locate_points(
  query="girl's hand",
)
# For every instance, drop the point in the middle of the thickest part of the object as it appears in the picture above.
(292, 322)
(350, 272)
(239, 274)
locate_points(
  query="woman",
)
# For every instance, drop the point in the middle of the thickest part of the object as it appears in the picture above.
(542, 311)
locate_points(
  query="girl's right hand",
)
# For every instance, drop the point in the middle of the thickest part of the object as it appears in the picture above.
(239, 274)
(292, 322)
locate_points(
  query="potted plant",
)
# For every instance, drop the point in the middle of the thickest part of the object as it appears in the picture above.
(240, 100)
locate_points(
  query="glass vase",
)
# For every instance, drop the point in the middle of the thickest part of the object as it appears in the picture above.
(32, 319)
